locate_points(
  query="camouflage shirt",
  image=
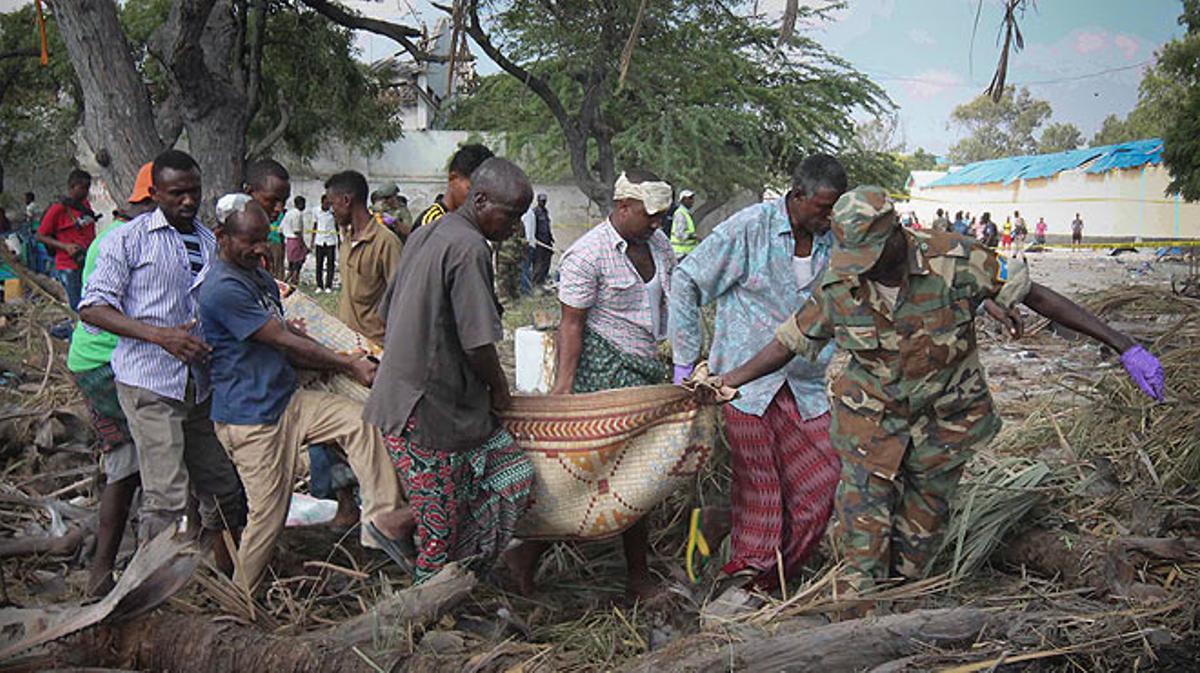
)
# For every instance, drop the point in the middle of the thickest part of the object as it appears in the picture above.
(914, 369)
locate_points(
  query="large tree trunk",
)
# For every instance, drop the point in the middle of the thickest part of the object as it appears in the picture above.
(199, 42)
(118, 120)
(213, 73)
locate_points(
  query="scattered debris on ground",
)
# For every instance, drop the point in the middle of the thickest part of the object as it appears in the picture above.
(1076, 546)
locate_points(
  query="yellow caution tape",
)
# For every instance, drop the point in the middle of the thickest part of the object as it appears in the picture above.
(1192, 243)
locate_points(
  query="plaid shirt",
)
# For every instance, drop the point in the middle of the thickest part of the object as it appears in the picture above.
(595, 274)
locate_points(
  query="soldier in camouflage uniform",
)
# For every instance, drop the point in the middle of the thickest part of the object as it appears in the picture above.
(510, 256)
(913, 401)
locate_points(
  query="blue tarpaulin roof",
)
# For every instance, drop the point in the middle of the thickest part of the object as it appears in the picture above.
(1008, 169)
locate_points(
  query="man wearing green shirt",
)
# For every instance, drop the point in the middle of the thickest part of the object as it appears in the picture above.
(88, 359)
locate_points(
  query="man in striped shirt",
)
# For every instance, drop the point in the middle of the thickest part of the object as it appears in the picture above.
(142, 291)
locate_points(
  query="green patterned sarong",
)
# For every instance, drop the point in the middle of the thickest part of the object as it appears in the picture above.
(603, 366)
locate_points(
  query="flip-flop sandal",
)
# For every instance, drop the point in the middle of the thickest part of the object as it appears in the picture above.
(696, 542)
(403, 552)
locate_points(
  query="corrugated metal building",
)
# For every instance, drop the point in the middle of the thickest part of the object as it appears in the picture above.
(1119, 191)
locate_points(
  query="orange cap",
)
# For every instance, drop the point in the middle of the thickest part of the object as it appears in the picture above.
(141, 186)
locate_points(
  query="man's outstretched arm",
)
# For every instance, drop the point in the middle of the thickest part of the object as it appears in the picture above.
(1141, 365)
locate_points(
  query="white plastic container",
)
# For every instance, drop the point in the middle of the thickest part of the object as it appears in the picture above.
(534, 351)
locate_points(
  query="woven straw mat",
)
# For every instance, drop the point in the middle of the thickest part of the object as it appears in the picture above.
(602, 460)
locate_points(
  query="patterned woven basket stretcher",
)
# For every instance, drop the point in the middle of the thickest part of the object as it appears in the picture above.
(602, 460)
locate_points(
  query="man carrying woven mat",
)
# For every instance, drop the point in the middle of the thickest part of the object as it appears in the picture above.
(440, 381)
(613, 286)
(760, 266)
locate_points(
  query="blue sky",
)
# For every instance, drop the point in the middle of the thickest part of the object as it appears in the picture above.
(920, 52)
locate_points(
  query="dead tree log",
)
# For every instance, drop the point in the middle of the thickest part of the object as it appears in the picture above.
(56, 546)
(853, 645)
(420, 604)
(200, 644)
(1108, 566)
(197, 644)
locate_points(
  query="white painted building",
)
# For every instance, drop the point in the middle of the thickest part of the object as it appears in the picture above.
(1118, 190)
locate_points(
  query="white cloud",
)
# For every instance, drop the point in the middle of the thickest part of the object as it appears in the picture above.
(930, 84)
(1128, 45)
(921, 36)
(1088, 41)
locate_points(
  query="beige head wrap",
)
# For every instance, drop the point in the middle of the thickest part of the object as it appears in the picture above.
(655, 196)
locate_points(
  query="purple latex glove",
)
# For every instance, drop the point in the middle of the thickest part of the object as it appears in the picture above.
(682, 372)
(1145, 371)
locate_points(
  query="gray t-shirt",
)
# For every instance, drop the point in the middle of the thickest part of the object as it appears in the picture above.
(440, 305)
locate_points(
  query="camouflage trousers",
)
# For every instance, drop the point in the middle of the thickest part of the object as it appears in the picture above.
(509, 260)
(892, 527)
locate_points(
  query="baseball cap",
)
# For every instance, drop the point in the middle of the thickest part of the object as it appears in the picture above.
(388, 191)
(141, 186)
(863, 219)
(686, 193)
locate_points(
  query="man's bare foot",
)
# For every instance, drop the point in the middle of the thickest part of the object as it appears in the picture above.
(522, 563)
(642, 588)
(396, 524)
(100, 582)
(348, 513)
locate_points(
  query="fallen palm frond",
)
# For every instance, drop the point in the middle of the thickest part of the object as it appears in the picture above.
(989, 504)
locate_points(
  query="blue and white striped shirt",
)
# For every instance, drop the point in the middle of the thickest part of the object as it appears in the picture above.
(143, 271)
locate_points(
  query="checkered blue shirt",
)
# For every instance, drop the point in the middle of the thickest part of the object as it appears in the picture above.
(745, 266)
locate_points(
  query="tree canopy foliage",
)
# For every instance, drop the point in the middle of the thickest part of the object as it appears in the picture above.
(1060, 137)
(696, 90)
(1013, 126)
(294, 74)
(38, 111)
(1158, 94)
(995, 129)
(1179, 64)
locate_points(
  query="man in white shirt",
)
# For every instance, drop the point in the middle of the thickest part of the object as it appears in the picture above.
(325, 242)
(296, 223)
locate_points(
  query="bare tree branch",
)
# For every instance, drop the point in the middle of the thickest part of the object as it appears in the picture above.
(575, 132)
(266, 142)
(401, 34)
(254, 78)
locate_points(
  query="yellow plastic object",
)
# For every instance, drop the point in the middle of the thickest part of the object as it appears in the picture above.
(696, 541)
(13, 290)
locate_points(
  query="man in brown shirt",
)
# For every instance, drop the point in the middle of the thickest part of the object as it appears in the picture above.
(370, 259)
(440, 380)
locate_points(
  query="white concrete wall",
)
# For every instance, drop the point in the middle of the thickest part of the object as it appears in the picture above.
(417, 163)
(1116, 204)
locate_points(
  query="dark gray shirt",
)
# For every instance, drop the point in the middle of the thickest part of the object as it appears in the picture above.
(440, 305)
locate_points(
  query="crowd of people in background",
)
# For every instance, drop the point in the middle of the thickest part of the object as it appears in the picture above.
(1011, 235)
